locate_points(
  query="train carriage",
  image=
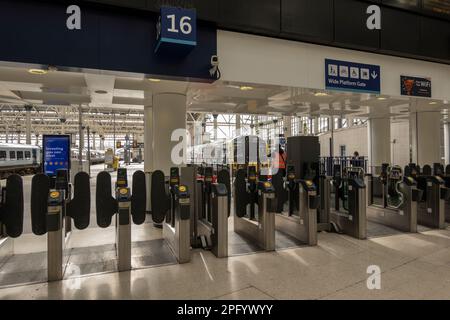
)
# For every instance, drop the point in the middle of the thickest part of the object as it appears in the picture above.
(19, 158)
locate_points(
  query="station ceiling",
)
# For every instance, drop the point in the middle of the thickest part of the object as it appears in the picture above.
(102, 93)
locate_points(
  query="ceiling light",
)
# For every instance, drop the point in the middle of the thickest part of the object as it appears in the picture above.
(246, 88)
(154, 80)
(37, 71)
(433, 102)
(321, 94)
(101, 92)
(381, 98)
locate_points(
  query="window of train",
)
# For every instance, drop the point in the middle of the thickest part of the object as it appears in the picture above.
(2, 155)
(12, 155)
(27, 155)
(19, 155)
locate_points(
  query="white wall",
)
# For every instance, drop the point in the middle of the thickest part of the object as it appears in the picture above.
(256, 59)
(400, 143)
(354, 138)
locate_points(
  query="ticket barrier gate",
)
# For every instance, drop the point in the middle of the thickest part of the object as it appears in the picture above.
(52, 208)
(431, 208)
(348, 215)
(323, 218)
(212, 215)
(11, 215)
(253, 220)
(445, 175)
(126, 207)
(400, 197)
(299, 219)
(170, 204)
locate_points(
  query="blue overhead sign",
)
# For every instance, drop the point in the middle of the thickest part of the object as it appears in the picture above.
(350, 76)
(56, 153)
(177, 30)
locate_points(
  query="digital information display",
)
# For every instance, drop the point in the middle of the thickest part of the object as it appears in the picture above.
(56, 153)
(437, 6)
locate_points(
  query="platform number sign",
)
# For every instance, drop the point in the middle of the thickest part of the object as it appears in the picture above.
(176, 30)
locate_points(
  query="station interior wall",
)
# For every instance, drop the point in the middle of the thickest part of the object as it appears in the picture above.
(356, 139)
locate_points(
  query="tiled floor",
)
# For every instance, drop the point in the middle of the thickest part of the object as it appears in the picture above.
(413, 266)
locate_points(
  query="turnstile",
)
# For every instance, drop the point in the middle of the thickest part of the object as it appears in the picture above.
(399, 199)
(299, 219)
(127, 207)
(176, 216)
(253, 219)
(445, 175)
(212, 215)
(53, 208)
(11, 215)
(431, 208)
(348, 215)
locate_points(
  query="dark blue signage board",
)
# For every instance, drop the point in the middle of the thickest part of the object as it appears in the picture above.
(177, 30)
(351, 76)
(56, 153)
(416, 87)
(110, 38)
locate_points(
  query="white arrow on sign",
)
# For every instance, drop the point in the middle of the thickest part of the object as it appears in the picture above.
(374, 75)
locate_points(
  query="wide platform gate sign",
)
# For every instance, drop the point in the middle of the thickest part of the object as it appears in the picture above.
(351, 76)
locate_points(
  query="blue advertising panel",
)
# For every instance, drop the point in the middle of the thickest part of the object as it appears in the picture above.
(177, 30)
(56, 153)
(416, 87)
(351, 76)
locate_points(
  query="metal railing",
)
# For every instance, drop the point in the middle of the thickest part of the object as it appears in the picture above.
(327, 164)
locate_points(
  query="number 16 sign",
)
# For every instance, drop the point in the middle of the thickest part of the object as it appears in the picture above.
(177, 30)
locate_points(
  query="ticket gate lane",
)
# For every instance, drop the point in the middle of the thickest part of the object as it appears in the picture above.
(177, 224)
(401, 215)
(261, 229)
(211, 230)
(349, 218)
(444, 174)
(127, 207)
(431, 210)
(300, 218)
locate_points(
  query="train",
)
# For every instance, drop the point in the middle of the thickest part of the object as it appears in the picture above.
(97, 156)
(25, 159)
(20, 159)
(236, 153)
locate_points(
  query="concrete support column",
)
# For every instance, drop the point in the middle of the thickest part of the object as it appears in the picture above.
(7, 134)
(379, 143)
(447, 143)
(287, 126)
(216, 127)
(167, 114)
(37, 139)
(28, 124)
(425, 137)
(238, 125)
(102, 143)
(80, 138)
(94, 147)
(148, 139)
(316, 126)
